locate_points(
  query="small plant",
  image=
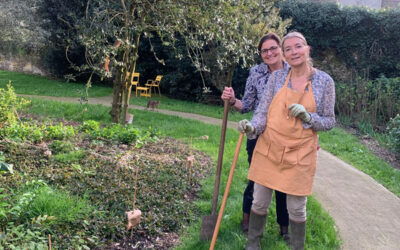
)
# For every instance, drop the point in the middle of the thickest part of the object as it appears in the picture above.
(9, 105)
(23, 131)
(89, 126)
(61, 146)
(394, 132)
(59, 132)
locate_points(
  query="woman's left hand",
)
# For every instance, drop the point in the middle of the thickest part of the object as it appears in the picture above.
(298, 110)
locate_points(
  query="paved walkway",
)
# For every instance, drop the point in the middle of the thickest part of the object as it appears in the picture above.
(366, 214)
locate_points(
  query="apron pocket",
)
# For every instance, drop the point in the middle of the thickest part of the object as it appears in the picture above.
(290, 156)
(275, 152)
(306, 155)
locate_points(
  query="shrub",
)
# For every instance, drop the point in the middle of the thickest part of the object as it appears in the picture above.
(362, 38)
(394, 132)
(23, 131)
(89, 126)
(59, 132)
(9, 105)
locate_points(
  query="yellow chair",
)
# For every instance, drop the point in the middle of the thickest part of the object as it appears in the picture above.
(134, 80)
(154, 84)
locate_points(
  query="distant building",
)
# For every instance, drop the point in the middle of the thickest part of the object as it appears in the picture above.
(376, 4)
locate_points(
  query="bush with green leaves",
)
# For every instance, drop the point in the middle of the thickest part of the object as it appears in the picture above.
(9, 105)
(59, 132)
(89, 126)
(23, 131)
(394, 132)
(364, 39)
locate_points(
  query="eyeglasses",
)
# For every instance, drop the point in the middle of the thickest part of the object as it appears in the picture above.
(272, 49)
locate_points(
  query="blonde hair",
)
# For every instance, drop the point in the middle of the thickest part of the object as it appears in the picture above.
(296, 34)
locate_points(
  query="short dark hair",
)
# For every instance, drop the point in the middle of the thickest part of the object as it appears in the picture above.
(269, 35)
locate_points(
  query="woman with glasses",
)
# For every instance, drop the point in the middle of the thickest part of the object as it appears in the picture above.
(271, 54)
(296, 104)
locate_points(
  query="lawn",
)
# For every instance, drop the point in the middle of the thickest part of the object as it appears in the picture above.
(40, 85)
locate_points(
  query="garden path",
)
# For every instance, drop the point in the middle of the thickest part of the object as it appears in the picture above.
(366, 214)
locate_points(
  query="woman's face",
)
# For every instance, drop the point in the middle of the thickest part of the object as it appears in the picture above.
(295, 51)
(271, 52)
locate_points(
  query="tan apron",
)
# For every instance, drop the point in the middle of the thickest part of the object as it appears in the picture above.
(285, 156)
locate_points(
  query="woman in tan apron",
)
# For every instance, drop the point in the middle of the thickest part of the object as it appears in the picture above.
(272, 56)
(296, 104)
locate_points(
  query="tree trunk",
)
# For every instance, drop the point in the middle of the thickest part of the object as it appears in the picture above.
(116, 106)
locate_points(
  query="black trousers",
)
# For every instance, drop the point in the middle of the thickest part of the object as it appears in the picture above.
(281, 209)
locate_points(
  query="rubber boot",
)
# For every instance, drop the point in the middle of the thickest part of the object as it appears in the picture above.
(285, 234)
(256, 231)
(245, 223)
(297, 235)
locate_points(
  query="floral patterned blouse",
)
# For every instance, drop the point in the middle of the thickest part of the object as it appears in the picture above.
(323, 89)
(255, 86)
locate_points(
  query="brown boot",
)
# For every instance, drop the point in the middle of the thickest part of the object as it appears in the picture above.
(298, 235)
(245, 223)
(256, 231)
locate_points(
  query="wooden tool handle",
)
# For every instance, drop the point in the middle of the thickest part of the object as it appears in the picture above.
(228, 186)
(220, 158)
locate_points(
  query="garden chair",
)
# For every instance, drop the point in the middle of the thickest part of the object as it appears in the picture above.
(154, 84)
(134, 80)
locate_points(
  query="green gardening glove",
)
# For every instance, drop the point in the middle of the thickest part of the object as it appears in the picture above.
(298, 110)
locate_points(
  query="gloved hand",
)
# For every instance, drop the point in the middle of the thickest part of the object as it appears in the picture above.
(228, 94)
(245, 126)
(298, 110)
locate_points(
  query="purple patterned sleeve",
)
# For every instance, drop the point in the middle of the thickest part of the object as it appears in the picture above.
(324, 93)
(250, 92)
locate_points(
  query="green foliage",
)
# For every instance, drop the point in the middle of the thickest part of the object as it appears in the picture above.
(59, 132)
(374, 101)
(119, 133)
(23, 131)
(394, 132)
(20, 29)
(58, 146)
(90, 126)
(53, 206)
(362, 38)
(70, 157)
(21, 237)
(9, 105)
(35, 210)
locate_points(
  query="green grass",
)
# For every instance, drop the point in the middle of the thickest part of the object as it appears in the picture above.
(336, 141)
(39, 85)
(320, 229)
(192, 107)
(64, 207)
(348, 148)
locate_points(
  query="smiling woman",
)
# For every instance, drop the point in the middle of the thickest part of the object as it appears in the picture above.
(270, 50)
(296, 104)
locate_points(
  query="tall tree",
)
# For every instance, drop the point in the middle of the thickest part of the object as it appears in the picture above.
(228, 34)
(218, 35)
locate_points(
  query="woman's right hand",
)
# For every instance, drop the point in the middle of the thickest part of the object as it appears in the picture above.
(228, 94)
